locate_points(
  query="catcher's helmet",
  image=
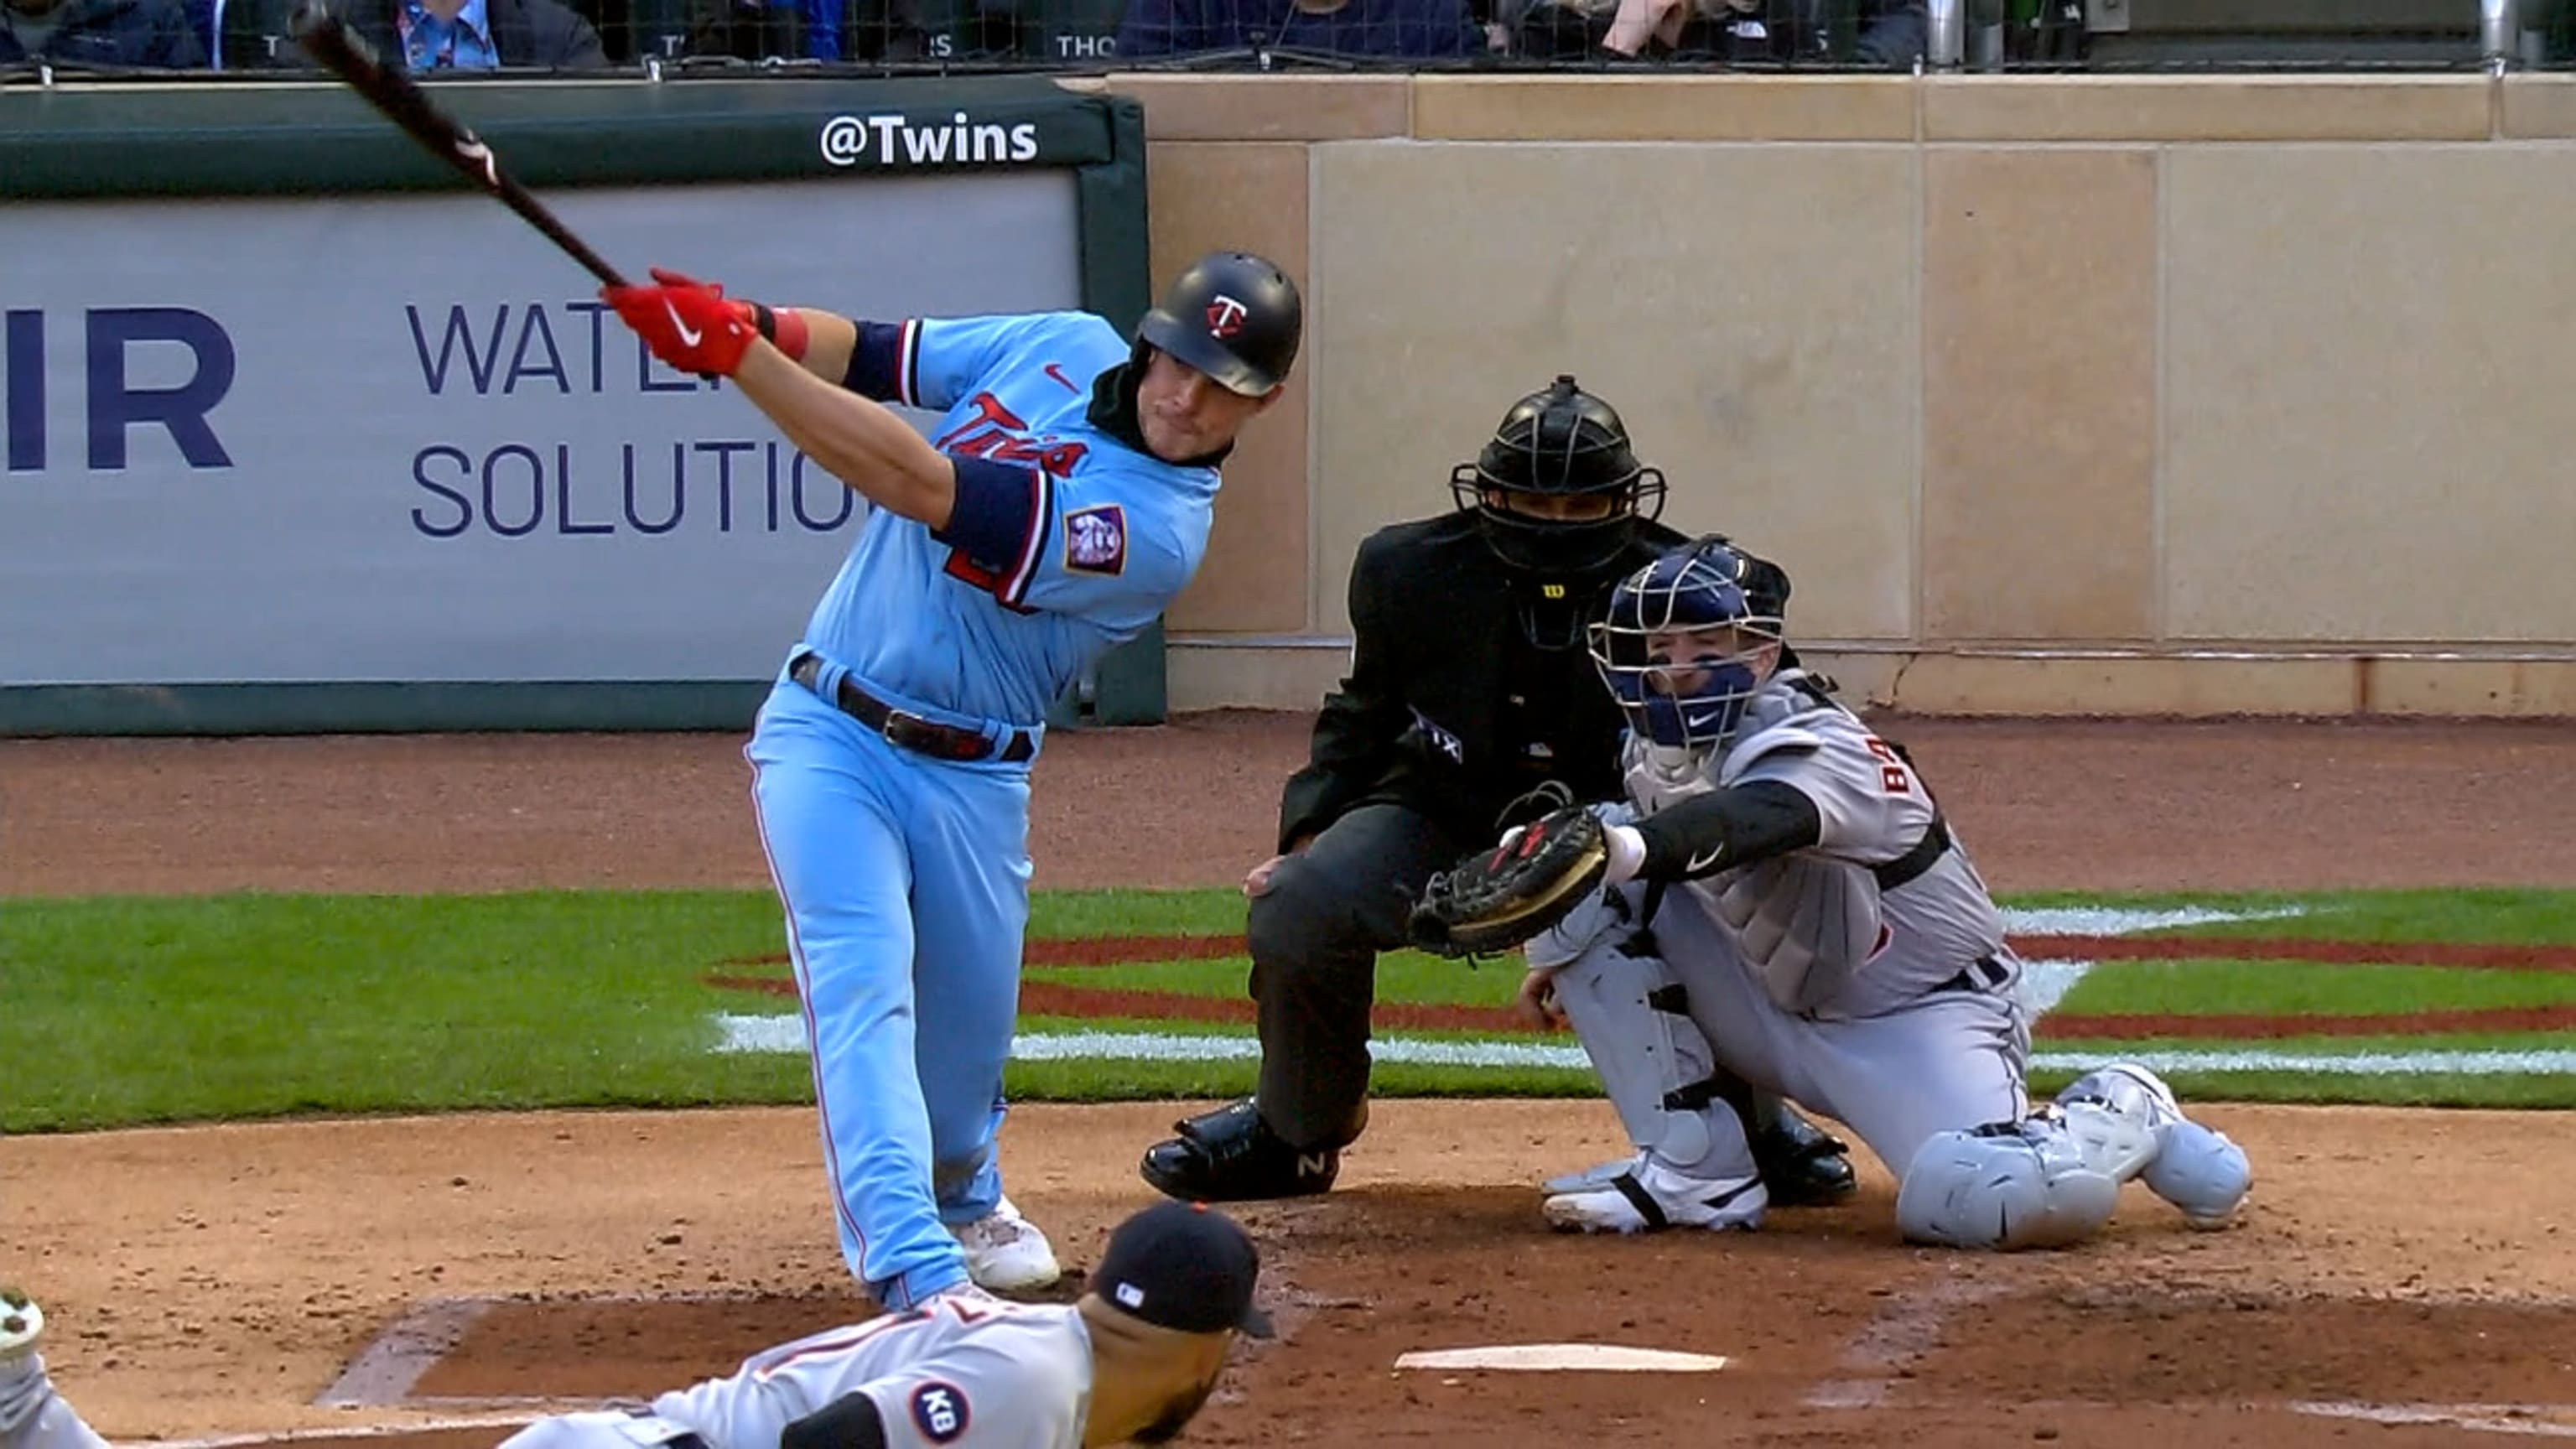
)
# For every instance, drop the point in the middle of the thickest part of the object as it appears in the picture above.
(1559, 443)
(1678, 686)
(1232, 315)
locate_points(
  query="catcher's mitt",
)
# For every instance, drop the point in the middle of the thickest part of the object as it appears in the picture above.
(1496, 899)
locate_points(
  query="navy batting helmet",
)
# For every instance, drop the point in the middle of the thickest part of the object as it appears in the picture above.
(1682, 643)
(1559, 489)
(1234, 316)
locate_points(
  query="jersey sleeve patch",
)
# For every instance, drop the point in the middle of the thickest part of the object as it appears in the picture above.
(940, 1411)
(1095, 540)
(999, 523)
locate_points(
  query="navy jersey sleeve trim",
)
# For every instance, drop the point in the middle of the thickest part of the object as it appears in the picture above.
(999, 522)
(885, 362)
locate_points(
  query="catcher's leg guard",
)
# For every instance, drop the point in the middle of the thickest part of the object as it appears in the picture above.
(2007, 1185)
(2193, 1167)
(1694, 1166)
(1655, 1066)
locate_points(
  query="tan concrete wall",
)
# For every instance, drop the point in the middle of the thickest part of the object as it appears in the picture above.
(2131, 395)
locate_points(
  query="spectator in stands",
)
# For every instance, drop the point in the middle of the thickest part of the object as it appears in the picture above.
(871, 30)
(426, 35)
(432, 35)
(141, 33)
(1390, 29)
(1888, 34)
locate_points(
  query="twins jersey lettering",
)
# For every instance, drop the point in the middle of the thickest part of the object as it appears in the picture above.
(1811, 913)
(1064, 543)
(952, 1374)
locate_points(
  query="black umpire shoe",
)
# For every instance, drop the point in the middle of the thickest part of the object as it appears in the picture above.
(1801, 1165)
(1231, 1155)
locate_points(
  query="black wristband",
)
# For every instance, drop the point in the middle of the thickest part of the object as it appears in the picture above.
(766, 321)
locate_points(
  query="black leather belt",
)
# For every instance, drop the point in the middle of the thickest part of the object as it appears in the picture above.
(1983, 974)
(903, 727)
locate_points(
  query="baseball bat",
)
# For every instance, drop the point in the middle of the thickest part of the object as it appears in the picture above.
(400, 99)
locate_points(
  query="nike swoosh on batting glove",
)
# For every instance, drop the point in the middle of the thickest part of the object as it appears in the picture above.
(688, 324)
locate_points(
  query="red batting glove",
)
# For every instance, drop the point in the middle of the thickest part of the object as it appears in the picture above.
(687, 323)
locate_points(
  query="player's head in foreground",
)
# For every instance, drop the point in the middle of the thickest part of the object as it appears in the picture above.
(1213, 354)
(1558, 489)
(1172, 1291)
(1685, 644)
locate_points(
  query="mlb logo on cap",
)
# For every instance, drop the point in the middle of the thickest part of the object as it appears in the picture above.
(1179, 1266)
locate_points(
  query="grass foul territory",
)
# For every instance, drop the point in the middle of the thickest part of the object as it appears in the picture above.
(211, 1008)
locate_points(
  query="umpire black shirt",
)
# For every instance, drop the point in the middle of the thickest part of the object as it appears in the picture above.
(1449, 709)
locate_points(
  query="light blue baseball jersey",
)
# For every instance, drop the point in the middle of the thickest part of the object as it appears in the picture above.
(1064, 542)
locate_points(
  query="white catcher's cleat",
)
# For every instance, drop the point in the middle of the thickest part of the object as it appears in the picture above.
(1598, 1175)
(22, 1323)
(2196, 1168)
(1005, 1252)
(1644, 1195)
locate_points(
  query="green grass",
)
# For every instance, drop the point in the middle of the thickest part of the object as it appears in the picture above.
(148, 1010)
(1407, 976)
(2263, 988)
(2491, 917)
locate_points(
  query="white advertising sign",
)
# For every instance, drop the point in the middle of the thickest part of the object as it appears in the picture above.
(397, 437)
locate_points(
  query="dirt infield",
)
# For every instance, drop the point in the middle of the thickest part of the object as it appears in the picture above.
(2403, 1277)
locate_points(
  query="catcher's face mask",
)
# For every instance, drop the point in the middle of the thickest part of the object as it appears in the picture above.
(1683, 649)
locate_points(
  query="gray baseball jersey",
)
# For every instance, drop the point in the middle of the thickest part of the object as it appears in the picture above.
(1815, 925)
(956, 1373)
(960, 1372)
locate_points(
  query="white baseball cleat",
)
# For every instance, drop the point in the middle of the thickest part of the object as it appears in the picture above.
(22, 1323)
(1645, 1195)
(2196, 1168)
(1600, 1174)
(1006, 1253)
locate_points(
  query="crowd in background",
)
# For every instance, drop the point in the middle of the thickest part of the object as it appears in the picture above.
(583, 35)
(438, 36)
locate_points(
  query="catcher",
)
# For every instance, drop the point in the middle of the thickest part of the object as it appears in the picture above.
(1780, 897)
(1470, 706)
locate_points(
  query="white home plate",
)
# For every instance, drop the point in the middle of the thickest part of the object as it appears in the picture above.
(1579, 1357)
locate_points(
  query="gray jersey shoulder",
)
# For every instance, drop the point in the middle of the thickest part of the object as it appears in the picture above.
(1870, 806)
(957, 1374)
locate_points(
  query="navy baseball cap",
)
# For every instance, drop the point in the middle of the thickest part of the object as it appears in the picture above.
(1184, 1267)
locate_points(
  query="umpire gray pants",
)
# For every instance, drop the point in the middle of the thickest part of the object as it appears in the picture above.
(1315, 937)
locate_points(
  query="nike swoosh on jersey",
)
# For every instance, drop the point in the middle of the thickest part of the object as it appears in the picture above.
(688, 336)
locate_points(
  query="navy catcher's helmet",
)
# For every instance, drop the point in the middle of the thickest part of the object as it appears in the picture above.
(1682, 643)
(1559, 444)
(1234, 316)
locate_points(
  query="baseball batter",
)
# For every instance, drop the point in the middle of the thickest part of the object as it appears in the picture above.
(1131, 1361)
(1062, 500)
(1787, 900)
